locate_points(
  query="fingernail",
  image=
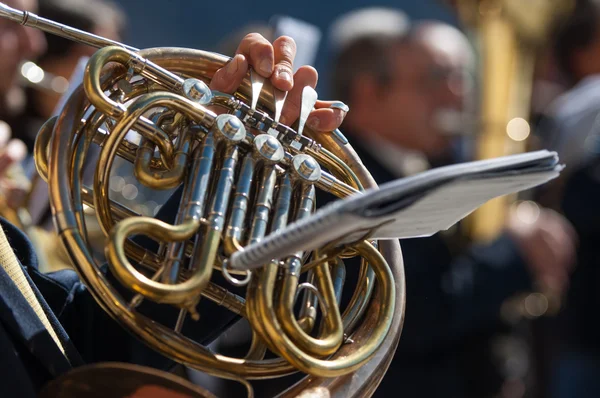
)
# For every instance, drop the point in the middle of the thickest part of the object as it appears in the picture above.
(313, 122)
(340, 117)
(340, 105)
(266, 66)
(285, 75)
(232, 67)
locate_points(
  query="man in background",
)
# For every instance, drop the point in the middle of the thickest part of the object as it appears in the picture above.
(573, 130)
(17, 44)
(406, 91)
(573, 125)
(100, 17)
(60, 60)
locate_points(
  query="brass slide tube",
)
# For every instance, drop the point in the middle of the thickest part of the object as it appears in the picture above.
(186, 294)
(333, 332)
(280, 219)
(239, 209)
(165, 179)
(261, 290)
(108, 153)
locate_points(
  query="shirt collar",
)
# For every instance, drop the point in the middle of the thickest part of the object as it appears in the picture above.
(400, 161)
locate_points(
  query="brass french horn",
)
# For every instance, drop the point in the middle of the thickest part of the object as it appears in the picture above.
(244, 175)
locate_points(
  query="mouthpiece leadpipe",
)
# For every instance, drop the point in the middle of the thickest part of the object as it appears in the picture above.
(27, 18)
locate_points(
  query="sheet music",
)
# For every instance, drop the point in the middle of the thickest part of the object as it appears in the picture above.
(449, 204)
(417, 206)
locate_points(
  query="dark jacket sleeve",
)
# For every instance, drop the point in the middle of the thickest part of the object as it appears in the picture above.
(100, 338)
(450, 298)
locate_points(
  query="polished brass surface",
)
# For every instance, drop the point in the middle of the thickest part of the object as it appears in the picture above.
(244, 176)
(121, 380)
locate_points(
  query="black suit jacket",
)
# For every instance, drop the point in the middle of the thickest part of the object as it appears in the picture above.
(580, 329)
(575, 358)
(29, 358)
(453, 300)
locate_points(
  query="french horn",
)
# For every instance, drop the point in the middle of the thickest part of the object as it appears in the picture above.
(244, 175)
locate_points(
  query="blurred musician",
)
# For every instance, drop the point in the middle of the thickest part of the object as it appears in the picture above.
(576, 367)
(16, 45)
(62, 56)
(573, 129)
(405, 89)
(60, 60)
(43, 83)
(573, 124)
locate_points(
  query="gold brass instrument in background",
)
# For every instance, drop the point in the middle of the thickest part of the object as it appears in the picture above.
(244, 175)
(509, 35)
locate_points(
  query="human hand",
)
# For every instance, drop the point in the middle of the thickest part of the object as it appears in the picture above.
(275, 62)
(548, 243)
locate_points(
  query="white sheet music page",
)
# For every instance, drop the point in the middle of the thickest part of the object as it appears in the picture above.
(418, 206)
(449, 204)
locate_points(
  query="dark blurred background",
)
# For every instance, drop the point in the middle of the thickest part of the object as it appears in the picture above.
(200, 24)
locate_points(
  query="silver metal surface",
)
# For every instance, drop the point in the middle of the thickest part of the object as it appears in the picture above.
(279, 97)
(313, 289)
(257, 82)
(341, 138)
(233, 280)
(29, 19)
(307, 167)
(197, 91)
(231, 127)
(269, 147)
(309, 99)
